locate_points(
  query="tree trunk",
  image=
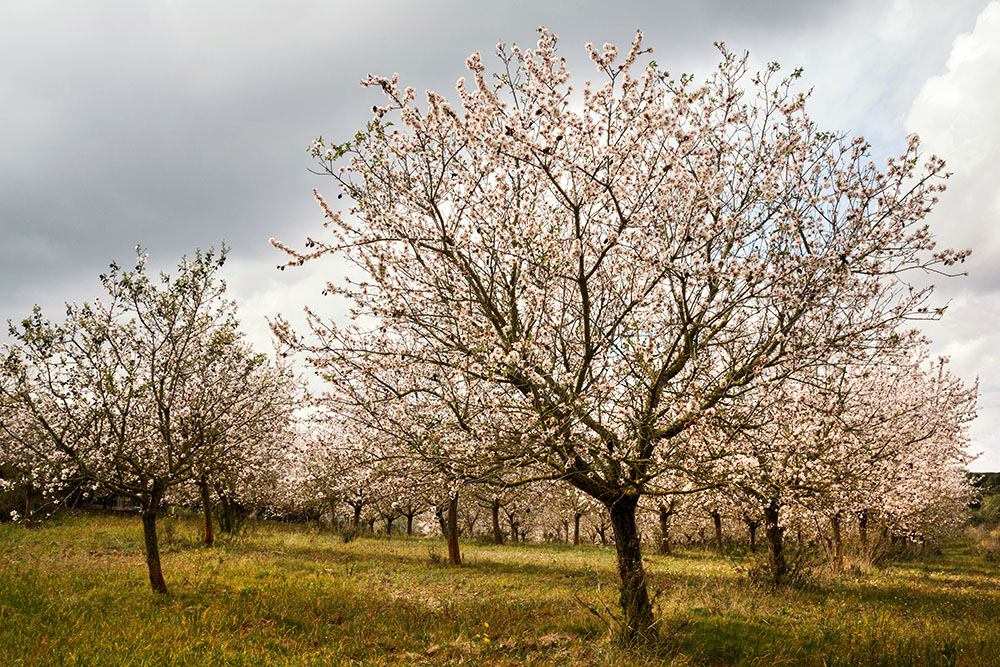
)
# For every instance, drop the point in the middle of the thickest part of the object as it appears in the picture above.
(636, 607)
(774, 533)
(497, 533)
(227, 517)
(206, 505)
(838, 550)
(332, 504)
(863, 528)
(576, 529)
(357, 516)
(454, 556)
(153, 548)
(388, 526)
(664, 530)
(717, 520)
(409, 525)
(513, 528)
(752, 530)
(439, 513)
(226, 520)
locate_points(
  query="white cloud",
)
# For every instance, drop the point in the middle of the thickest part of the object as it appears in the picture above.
(262, 292)
(896, 22)
(956, 115)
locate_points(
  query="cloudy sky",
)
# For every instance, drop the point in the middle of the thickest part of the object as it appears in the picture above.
(178, 124)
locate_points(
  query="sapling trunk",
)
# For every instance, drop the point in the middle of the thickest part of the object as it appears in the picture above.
(454, 556)
(774, 533)
(497, 533)
(752, 530)
(664, 530)
(838, 550)
(442, 522)
(226, 521)
(206, 506)
(717, 521)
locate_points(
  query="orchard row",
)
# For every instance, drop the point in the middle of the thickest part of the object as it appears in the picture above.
(643, 293)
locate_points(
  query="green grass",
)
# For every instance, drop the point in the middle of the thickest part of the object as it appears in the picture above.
(75, 592)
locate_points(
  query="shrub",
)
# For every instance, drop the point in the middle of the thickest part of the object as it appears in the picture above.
(435, 555)
(802, 562)
(989, 546)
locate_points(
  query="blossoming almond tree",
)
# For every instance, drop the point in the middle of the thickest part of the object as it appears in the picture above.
(144, 391)
(918, 487)
(331, 462)
(831, 441)
(241, 412)
(617, 259)
(430, 421)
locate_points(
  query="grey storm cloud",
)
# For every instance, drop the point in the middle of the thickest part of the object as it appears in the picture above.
(179, 124)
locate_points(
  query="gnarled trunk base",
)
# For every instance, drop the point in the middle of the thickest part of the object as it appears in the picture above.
(638, 611)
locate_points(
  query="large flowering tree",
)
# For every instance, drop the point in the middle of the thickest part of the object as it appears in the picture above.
(613, 261)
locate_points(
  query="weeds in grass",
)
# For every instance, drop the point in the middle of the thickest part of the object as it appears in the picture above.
(803, 562)
(989, 546)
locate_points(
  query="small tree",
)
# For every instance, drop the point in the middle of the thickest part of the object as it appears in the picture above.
(145, 391)
(831, 442)
(243, 414)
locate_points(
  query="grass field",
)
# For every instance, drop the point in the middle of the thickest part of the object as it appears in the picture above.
(75, 592)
